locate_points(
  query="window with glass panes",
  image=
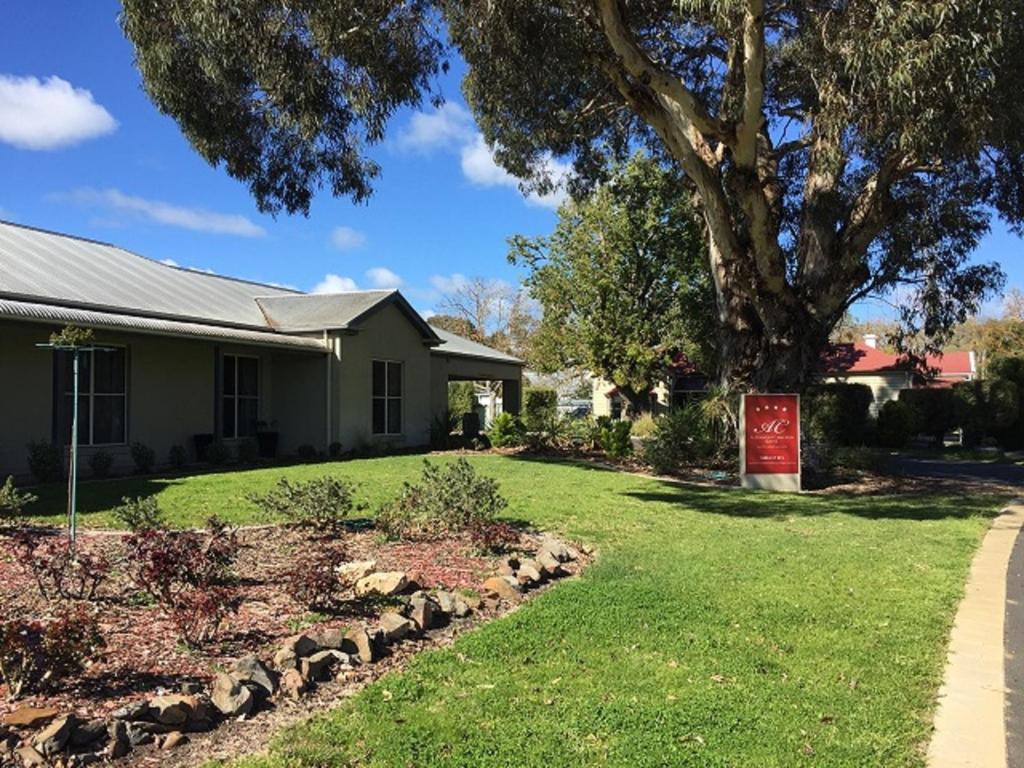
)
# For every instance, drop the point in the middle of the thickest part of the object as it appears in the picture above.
(102, 396)
(240, 387)
(387, 397)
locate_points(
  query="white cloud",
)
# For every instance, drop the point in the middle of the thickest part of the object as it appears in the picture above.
(6, 214)
(480, 168)
(49, 114)
(169, 262)
(426, 314)
(335, 284)
(382, 277)
(445, 284)
(447, 127)
(196, 219)
(346, 238)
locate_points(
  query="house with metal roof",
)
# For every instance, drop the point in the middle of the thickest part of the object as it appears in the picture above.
(190, 357)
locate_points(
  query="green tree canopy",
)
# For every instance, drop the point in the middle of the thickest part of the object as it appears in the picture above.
(623, 282)
(837, 149)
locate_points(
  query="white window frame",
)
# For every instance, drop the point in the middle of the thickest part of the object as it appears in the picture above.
(91, 397)
(386, 397)
(236, 397)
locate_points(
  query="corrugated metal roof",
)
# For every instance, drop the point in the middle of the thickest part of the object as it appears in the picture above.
(453, 344)
(68, 270)
(54, 314)
(317, 312)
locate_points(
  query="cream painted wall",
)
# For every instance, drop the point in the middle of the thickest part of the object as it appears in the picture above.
(26, 383)
(385, 335)
(602, 399)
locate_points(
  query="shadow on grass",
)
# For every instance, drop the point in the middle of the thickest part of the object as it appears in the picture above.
(93, 496)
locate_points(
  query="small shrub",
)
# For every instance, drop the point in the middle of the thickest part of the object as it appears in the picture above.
(59, 570)
(644, 426)
(199, 612)
(217, 453)
(177, 457)
(334, 450)
(144, 458)
(506, 431)
(448, 499)
(679, 438)
(139, 514)
(540, 408)
(838, 413)
(306, 452)
(44, 462)
(461, 398)
(12, 501)
(100, 462)
(34, 656)
(932, 412)
(321, 504)
(493, 536)
(313, 579)
(248, 451)
(613, 437)
(895, 425)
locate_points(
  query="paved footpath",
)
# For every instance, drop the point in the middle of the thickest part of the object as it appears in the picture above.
(978, 700)
(1014, 635)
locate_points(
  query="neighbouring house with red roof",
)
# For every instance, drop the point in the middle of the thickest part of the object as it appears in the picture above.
(860, 362)
(886, 373)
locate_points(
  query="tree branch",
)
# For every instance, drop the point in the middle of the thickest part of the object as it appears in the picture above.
(745, 151)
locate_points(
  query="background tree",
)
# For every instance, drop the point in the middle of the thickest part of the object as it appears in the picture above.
(491, 312)
(623, 282)
(836, 149)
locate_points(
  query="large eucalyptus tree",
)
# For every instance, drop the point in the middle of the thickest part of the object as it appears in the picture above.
(836, 148)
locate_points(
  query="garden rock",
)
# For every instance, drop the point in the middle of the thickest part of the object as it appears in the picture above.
(138, 736)
(293, 685)
(505, 587)
(529, 573)
(474, 601)
(174, 739)
(384, 584)
(253, 672)
(350, 573)
(172, 709)
(358, 642)
(395, 626)
(88, 733)
(421, 611)
(445, 601)
(556, 549)
(231, 697)
(137, 710)
(30, 717)
(52, 739)
(461, 609)
(329, 639)
(508, 566)
(119, 744)
(549, 564)
(294, 648)
(29, 756)
(319, 665)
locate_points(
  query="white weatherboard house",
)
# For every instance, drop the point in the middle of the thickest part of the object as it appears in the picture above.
(195, 357)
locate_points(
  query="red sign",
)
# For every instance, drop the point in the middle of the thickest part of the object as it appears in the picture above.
(771, 425)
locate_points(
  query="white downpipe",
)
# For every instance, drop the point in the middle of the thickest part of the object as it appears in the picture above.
(329, 343)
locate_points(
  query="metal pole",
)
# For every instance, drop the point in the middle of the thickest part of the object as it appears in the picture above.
(72, 528)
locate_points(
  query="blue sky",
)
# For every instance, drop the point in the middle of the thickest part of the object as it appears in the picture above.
(98, 160)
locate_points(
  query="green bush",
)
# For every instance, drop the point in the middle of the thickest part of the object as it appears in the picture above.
(44, 461)
(322, 503)
(306, 452)
(100, 462)
(540, 408)
(217, 453)
(461, 398)
(613, 437)
(248, 451)
(12, 501)
(985, 408)
(1011, 369)
(932, 412)
(144, 458)
(140, 514)
(837, 413)
(506, 431)
(679, 438)
(447, 499)
(177, 456)
(644, 426)
(895, 425)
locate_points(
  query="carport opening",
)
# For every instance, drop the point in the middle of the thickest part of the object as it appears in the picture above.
(473, 404)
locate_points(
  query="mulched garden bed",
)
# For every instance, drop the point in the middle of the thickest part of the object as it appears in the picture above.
(143, 653)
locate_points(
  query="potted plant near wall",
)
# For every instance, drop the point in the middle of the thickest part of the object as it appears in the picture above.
(266, 437)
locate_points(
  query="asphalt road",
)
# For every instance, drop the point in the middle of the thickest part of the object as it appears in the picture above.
(980, 471)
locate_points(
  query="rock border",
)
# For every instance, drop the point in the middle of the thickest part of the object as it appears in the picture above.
(35, 737)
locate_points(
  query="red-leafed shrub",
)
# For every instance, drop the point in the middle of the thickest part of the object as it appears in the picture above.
(198, 613)
(493, 536)
(313, 579)
(34, 655)
(59, 570)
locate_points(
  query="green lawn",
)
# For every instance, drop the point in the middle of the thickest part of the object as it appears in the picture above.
(717, 628)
